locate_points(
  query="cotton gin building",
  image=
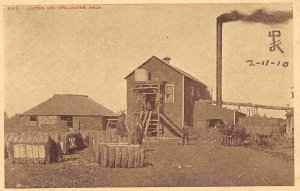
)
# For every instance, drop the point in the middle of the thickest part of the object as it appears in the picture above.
(64, 111)
(162, 97)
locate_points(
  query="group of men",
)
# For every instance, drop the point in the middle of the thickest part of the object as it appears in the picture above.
(135, 136)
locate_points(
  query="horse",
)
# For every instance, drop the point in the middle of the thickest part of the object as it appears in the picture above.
(226, 131)
(239, 135)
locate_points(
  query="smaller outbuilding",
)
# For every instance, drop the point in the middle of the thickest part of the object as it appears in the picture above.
(207, 115)
(64, 111)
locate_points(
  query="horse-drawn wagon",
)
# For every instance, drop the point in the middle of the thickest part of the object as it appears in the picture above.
(262, 129)
(255, 130)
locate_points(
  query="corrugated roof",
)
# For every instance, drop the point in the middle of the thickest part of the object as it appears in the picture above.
(69, 104)
(173, 67)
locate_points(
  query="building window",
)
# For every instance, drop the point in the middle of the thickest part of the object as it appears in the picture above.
(169, 93)
(69, 120)
(33, 118)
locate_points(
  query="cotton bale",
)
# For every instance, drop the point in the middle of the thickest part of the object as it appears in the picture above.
(121, 155)
(79, 141)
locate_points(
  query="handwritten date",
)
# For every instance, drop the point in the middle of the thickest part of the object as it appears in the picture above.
(267, 63)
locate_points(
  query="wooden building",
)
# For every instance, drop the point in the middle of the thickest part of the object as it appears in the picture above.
(207, 115)
(64, 111)
(162, 97)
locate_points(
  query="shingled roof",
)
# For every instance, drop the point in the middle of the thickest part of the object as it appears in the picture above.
(171, 66)
(69, 104)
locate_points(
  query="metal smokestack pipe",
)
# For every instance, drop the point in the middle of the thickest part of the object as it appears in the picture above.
(258, 16)
(219, 64)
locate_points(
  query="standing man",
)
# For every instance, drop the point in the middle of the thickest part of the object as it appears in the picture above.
(121, 126)
(186, 134)
(138, 133)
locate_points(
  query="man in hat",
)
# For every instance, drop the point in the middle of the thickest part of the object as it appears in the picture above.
(186, 130)
(138, 133)
(121, 126)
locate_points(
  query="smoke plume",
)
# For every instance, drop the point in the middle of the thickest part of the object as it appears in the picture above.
(258, 16)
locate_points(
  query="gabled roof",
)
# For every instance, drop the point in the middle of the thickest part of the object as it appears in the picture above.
(69, 104)
(171, 66)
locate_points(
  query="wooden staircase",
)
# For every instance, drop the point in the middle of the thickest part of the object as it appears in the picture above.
(150, 123)
(171, 124)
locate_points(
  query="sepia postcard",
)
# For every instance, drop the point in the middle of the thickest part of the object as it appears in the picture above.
(149, 94)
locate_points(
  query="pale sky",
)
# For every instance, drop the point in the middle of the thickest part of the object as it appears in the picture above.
(91, 51)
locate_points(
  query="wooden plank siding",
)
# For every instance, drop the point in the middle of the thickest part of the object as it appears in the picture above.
(79, 122)
(193, 91)
(159, 72)
(205, 111)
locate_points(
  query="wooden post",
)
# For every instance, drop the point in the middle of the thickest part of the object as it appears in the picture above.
(147, 124)
(145, 117)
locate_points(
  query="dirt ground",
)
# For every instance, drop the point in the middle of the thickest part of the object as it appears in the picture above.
(199, 164)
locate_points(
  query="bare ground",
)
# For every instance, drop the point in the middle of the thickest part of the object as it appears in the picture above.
(200, 164)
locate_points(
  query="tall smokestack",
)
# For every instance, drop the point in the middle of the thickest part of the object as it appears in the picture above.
(219, 64)
(258, 16)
